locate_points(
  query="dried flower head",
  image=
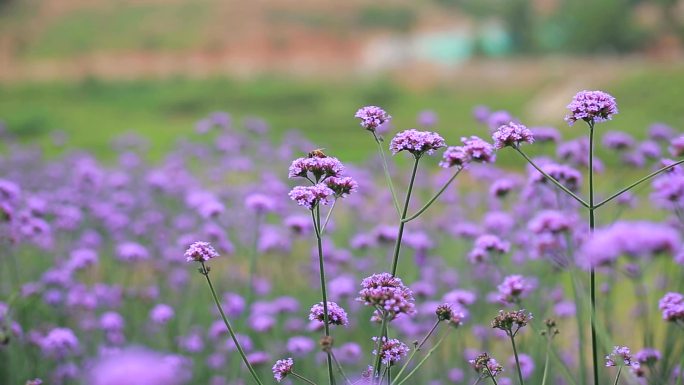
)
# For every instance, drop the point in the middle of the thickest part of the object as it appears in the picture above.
(511, 321)
(486, 366)
(592, 107)
(416, 142)
(200, 252)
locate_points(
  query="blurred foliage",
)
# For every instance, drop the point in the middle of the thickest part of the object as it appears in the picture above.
(395, 18)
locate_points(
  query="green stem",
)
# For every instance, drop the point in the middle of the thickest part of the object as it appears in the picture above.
(397, 245)
(417, 348)
(617, 376)
(378, 359)
(339, 368)
(640, 181)
(552, 179)
(327, 217)
(205, 272)
(546, 361)
(434, 198)
(295, 375)
(517, 361)
(316, 217)
(388, 177)
(434, 327)
(421, 362)
(592, 277)
(491, 375)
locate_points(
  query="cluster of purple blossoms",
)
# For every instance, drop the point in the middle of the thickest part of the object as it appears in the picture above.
(672, 306)
(620, 356)
(387, 293)
(512, 134)
(59, 343)
(486, 246)
(200, 252)
(647, 356)
(591, 106)
(336, 314)
(342, 186)
(391, 350)
(137, 367)
(514, 288)
(565, 175)
(474, 149)
(372, 117)
(551, 221)
(416, 142)
(618, 140)
(486, 366)
(317, 166)
(677, 146)
(311, 196)
(260, 203)
(282, 368)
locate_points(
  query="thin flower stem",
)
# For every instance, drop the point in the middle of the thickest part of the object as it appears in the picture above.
(617, 376)
(339, 368)
(397, 245)
(295, 375)
(327, 217)
(479, 378)
(388, 177)
(205, 272)
(421, 362)
(378, 359)
(384, 373)
(417, 348)
(517, 361)
(491, 375)
(546, 361)
(389, 375)
(552, 179)
(640, 181)
(592, 277)
(316, 217)
(428, 335)
(434, 198)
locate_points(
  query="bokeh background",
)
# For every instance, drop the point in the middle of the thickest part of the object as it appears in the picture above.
(77, 73)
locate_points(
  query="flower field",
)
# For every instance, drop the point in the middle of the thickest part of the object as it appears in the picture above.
(511, 256)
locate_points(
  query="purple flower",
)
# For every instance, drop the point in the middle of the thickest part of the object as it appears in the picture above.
(282, 368)
(545, 134)
(416, 142)
(161, 314)
(138, 367)
(372, 117)
(618, 140)
(300, 345)
(660, 131)
(515, 287)
(526, 364)
(677, 146)
(567, 176)
(512, 134)
(391, 350)
(131, 252)
(311, 196)
(479, 150)
(200, 252)
(647, 356)
(342, 186)
(317, 165)
(427, 118)
(672, 306)
(260, 203)
(455, 156)
(111, 322)
(388, 293)
(620, 356)
(591, 106)
(59, 343)
(336, 315)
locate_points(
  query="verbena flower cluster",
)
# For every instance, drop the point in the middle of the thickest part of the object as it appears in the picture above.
(416, 142)
(388, 294)
(591, 106)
